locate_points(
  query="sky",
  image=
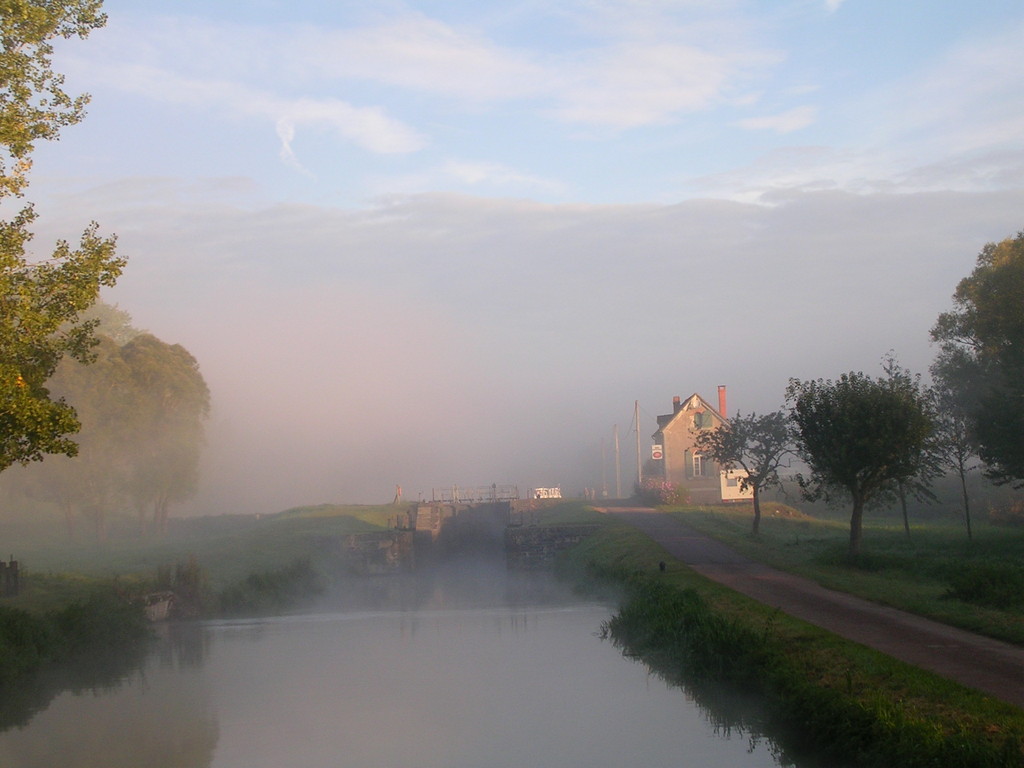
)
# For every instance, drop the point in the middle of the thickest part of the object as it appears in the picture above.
(454, 243)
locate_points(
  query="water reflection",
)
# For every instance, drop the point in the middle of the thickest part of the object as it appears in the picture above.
(22, 698)
(732, 712)
(484, 674)
(119, 714)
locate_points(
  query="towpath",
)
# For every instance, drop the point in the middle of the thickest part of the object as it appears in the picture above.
(988, 665)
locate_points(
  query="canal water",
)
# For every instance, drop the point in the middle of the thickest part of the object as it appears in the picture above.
(433, 686)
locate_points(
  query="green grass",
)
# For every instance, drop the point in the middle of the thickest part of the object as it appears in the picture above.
(567, 512)
(937, 572)
(835, 695)
(228, 547)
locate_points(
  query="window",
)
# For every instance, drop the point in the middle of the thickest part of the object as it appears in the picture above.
(698, 465)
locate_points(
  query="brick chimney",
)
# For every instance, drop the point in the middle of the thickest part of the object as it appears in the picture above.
(676, 405)
(721, 400)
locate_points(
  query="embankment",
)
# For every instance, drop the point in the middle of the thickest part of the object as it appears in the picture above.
(845, 703)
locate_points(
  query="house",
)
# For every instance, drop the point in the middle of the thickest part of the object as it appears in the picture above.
(677, 461)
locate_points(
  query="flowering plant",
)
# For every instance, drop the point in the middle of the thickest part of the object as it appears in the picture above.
(654, 492)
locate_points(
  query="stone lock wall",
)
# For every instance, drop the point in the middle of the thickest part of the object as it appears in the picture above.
(535, 547)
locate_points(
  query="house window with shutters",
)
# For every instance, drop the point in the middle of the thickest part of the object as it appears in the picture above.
(698, 465)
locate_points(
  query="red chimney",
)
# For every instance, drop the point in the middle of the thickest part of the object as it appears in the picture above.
(676, 405)
(721, 400)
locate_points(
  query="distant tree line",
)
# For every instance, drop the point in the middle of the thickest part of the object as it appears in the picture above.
(867, 438)
(141, 405)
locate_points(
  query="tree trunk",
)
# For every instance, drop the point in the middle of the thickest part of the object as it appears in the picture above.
(967, 504)
(140, 511)
(856, 525)
(903, 505)
(757, 510)
(69, 517)
(160, 514)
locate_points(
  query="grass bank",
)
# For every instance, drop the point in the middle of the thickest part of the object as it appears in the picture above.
(844, 702)
(975, 584)
(82, 598)
(98, 621)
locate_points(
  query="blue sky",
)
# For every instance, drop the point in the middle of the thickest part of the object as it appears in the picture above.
(448, 242)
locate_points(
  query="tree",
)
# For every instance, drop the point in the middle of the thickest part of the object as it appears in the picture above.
(41, 301)
(171, 403)
(90, 483)
(982, 355)
(917, 485)
(756, 444)
(858, 435)
(953, 439)
(141, 407)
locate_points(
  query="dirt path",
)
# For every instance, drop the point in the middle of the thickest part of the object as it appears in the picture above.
(991, 666)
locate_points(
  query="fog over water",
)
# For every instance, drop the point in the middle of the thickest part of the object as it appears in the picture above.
(482, 688)
(424, 245)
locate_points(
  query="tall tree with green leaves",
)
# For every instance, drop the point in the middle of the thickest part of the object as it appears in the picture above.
(858, 435)
(141, 406)
(41, 299)
(929, 466)
(170, 404)
(756, 444)
(90, 484)
(981, 356)
(953, 440)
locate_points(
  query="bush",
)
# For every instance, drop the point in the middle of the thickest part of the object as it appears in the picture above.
(992, 585)
(1010, 514)
(102, 622)
(271, 591)
(653, 492)
(25, 641)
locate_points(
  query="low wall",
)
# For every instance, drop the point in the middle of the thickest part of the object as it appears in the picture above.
(379, 552)
(534, 547)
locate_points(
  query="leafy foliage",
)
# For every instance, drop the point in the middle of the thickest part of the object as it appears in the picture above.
(982, 355)
(994, 585)
(654, 492)
(859, 435)
(41, 301)
(953, 444)
(33, 104)
(142, 406)
(756, 444)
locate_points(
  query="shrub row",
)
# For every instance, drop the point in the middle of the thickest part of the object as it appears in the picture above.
(101, 622)
(271, 591)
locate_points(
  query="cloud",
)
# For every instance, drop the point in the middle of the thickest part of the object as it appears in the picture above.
(417, 53)
(482, 172)
(785, 122)
(367, 127)
(641, 84)
(966, 100)
(609, 73)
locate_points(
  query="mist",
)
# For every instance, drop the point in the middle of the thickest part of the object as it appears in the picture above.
(433, 340)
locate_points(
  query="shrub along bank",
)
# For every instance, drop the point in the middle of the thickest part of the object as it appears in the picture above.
(102, 622)
(822, 694)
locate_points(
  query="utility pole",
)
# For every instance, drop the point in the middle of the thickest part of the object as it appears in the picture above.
(639, 466)
(604, 473)
(618, 466)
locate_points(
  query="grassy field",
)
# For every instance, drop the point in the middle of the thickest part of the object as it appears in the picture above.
(836, 696)
(936, 572)
(227, 548)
